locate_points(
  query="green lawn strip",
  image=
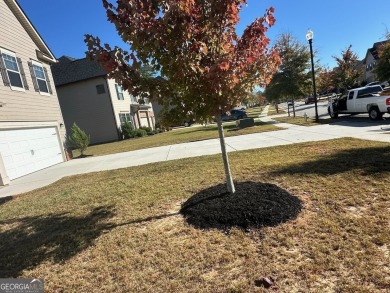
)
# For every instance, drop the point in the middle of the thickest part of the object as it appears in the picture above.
(174, 137)
(254, 112)
(272, 111)
(120, 229)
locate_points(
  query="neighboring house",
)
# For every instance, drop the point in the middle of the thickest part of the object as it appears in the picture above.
(359, 66)
(31, 123)
(371, 61)
(95, 102)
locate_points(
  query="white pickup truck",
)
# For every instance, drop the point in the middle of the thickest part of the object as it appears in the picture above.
(370, 99)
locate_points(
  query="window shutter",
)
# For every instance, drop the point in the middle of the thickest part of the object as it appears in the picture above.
(48, 80)
(3, 72)
(34, 79)
(22, 73)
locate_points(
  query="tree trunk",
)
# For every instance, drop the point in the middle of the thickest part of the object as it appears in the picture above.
(228, 174)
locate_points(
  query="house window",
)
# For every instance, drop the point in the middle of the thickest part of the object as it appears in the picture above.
(40, 78)
(124, 117)
(12, 71)
(133, 99)
(100, 89)
(119, 92)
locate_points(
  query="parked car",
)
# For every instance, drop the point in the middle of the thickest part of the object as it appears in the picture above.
(240, 107)
(383, 84)
(309, 99)
(373, 83)
(188, 122)
(234, 115)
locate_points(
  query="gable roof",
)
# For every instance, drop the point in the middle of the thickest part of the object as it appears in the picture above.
(374, 49)
(69, 70)
(44, 52)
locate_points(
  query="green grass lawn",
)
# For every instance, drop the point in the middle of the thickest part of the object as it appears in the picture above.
(181, 135)
(272, 111)
(254, 112)
(120, 230)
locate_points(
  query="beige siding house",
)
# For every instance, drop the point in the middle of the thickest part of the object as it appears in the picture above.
(95, 102)
(31, 124)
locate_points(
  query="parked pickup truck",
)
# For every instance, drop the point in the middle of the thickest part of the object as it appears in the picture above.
(369, 99)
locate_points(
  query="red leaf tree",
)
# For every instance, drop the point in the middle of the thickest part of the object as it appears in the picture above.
(205, 66)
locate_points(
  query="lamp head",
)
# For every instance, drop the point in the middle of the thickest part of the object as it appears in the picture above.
(309, 35)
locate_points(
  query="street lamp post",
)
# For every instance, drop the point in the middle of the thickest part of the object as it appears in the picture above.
(309, 37)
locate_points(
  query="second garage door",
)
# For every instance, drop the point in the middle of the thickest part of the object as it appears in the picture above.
(28, 150)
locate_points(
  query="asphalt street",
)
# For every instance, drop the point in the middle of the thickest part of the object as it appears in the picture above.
(322, 108)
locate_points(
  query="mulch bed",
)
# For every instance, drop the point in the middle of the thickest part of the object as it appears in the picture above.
(253, 205)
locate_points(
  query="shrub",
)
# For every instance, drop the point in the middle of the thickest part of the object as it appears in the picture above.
(147, 129)
(127, 130)
(140, 132)
(78, 139)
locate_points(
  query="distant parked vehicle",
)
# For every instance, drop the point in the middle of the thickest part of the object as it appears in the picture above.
(373, 83)
(240, 107)
(309, 100)
(383, 84)
(188, 122)
(234, 115)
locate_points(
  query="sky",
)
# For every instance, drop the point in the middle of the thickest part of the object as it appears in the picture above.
(336, 24)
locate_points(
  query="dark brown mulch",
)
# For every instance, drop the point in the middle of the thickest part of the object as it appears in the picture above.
(253, 205)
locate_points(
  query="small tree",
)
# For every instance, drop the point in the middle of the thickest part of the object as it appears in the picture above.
(346, 75)
(324, 79)
(292, 79)
(206, 66)
(78, 139)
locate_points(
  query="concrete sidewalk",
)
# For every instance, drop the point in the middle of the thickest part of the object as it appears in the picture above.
(377, 131)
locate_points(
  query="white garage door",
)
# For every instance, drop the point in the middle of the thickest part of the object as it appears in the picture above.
(28, 150)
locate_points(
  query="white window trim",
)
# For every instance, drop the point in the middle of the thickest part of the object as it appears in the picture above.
(10, 53)
(33, 62)
(125, 113)
(117, 88)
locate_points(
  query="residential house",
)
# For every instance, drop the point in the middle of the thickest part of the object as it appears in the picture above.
(31, 125)
(359, 66)
(96, 103)
(371, 60)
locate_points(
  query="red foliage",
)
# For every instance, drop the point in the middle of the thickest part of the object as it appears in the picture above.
(194, 44)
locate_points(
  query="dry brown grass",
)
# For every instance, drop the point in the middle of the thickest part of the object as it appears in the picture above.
(119, 231)
(299, 120)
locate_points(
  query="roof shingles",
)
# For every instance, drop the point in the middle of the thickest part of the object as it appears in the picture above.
(69, 70)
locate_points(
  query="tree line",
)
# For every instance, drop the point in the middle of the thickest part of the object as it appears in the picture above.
(293, 79)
